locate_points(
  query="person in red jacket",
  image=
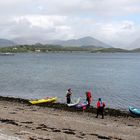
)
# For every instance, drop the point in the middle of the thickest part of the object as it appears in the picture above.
(88, 98)
(100, 108)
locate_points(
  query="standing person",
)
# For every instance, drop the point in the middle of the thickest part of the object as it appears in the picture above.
(88, 98)
(68, 96)
(100, 108)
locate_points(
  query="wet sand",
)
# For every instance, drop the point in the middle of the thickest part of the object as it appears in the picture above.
(22, 121)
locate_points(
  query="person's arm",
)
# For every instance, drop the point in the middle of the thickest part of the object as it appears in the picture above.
(98, 104)
(103, 104)
(66, 93)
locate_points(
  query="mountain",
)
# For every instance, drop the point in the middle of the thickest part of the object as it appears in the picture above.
(6, 43)
(136, 50)
(84, 42)
(135, 44)
(29, 40)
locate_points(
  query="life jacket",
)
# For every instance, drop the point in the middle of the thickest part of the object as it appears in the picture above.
(100, 104)
(68, 94)
(88, 94)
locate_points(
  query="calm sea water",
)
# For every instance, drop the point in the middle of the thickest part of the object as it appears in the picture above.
(113, 77)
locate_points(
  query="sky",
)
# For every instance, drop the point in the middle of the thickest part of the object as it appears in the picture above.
(115, 22)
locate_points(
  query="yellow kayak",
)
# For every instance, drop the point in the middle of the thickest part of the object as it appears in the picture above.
(45, 100)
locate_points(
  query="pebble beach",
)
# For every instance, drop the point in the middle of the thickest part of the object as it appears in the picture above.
(22, 121)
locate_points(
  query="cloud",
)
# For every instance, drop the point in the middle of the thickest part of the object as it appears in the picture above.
(70, 7)
(127, 25)
(42, 21)
(119, 34)
(40, 28)
(90, 7)
(107, 20)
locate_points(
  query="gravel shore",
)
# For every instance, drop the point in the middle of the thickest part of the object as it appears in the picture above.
(22, 121)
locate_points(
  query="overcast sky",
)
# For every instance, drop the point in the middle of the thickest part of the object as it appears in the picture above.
(116, 22)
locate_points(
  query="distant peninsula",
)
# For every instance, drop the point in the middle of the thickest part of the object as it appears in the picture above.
(57, 48)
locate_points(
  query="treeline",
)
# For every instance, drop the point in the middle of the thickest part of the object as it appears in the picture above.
(39, 48)
(57, 48)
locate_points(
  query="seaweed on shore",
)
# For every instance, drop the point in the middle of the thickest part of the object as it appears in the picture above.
(8, 121)
(62, 106)
(13, 99)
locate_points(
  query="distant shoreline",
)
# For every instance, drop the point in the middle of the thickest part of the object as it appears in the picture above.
(57, 48)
